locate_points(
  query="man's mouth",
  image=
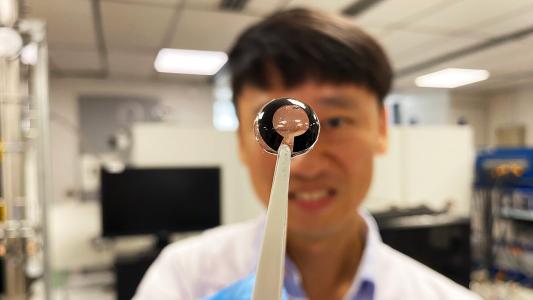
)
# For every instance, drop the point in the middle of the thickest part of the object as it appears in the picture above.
(312, 200)
(309, 195)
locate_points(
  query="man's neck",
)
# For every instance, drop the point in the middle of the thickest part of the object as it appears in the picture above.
(328, 264)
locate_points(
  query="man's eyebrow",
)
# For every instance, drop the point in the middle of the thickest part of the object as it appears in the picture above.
(335, 101)
(332, 101)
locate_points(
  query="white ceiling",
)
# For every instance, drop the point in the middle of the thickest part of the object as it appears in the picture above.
(412, 31)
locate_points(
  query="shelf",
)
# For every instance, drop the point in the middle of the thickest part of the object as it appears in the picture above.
(517, 214)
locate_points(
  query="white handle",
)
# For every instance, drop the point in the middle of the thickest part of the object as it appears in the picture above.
(270, 270)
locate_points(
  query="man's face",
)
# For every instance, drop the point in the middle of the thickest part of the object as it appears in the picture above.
(327, 184)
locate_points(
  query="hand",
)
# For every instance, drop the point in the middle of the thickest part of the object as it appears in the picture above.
(241, 290)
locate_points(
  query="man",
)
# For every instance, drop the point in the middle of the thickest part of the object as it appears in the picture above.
(333, 248)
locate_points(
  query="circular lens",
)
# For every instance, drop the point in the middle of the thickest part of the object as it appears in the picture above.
(289, 121)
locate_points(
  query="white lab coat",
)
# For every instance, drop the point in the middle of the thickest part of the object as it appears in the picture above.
(200, 266)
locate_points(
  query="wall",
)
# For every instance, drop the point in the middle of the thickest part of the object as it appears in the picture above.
(511, 107)
(474, 109)
(488, 111)
(191, 104)
(425, 106)
(71, 246)
(424, 165)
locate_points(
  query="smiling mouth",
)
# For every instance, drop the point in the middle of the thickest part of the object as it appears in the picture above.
(312, 200)
(315, 195)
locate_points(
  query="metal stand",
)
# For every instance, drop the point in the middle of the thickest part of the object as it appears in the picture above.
(24, 154)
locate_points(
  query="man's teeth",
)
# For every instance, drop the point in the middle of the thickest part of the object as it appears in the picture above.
(311, 196)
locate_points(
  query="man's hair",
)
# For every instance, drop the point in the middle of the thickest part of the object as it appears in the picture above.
(303, 45)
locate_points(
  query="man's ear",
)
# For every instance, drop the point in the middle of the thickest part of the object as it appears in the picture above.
(383, 142)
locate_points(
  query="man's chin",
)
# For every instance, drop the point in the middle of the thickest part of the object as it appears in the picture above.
(321, 227)
(311, 230)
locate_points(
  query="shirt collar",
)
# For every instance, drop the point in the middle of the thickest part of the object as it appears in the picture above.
(364, 282)
(363, 285)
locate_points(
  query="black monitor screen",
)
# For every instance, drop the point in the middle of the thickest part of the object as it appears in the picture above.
(151, 201)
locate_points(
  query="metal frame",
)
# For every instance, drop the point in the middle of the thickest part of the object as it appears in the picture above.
(23, 100)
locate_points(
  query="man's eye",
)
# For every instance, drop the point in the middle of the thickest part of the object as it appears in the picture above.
(337, 122)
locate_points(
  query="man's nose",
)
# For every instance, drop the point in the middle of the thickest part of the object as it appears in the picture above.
(310, 165)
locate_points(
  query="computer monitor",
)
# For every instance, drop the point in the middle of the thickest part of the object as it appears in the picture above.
(159, 200)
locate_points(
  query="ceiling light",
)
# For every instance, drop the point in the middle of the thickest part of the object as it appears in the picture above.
(196, 62)
(451, 78)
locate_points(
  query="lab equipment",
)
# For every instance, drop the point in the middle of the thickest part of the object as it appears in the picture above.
(437, 239)
(24, 153)
(502, 217)
(286, 127)
(159, 201)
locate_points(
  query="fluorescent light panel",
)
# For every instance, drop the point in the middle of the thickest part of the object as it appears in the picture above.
(195, 62)
(451, 78)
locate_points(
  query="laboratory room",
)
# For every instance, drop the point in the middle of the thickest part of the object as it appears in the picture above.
(266, 149)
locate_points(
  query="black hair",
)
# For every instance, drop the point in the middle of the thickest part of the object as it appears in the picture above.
(304, 44)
